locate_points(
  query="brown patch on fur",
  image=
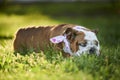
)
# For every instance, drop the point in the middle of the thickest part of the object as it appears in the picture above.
(95, 31)
(38, 38)
(74, 44)
(32, 38)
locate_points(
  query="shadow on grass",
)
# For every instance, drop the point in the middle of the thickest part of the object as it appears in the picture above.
(6, 37)
(63, 9)
(49, 53)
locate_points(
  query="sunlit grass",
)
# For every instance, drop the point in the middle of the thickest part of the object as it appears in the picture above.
(9, 24)
(39, 66)
(36, 66)
(50, 65)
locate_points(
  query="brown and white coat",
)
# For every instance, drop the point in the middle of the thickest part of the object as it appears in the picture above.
(68, 38)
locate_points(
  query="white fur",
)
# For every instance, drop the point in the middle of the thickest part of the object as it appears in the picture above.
(90, 37)
(66, 48)
(57, 39)
(61, 38)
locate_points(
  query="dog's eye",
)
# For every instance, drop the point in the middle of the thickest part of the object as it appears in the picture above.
(96, 43)
(83, 44)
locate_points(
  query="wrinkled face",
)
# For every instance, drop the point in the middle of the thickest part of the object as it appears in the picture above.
(78, 40)
(85, 41)
(85, 44)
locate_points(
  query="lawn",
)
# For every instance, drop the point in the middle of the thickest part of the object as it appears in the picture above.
(50, 65)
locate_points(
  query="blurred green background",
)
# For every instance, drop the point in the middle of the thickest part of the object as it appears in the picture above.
(101, 15)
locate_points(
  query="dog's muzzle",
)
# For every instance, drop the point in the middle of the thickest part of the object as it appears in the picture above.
(92, 50)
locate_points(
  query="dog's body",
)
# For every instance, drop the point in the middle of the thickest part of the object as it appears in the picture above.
(70, 39)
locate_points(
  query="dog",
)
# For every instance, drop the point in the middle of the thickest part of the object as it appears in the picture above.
(70, 39)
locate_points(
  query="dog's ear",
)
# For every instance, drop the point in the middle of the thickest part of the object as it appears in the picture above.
(57, 39)
(70, 34)
(95, 31)
(68, 31)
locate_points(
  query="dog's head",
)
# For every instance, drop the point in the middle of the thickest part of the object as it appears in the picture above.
(78, 40)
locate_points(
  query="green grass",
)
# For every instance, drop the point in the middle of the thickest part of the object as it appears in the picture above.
(50, 65)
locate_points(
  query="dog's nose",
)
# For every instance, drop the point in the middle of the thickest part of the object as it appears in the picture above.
(92, 50)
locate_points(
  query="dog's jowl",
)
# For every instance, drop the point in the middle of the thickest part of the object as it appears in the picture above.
(70, 39)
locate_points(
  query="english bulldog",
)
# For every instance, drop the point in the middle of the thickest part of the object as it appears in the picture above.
(72, 40)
